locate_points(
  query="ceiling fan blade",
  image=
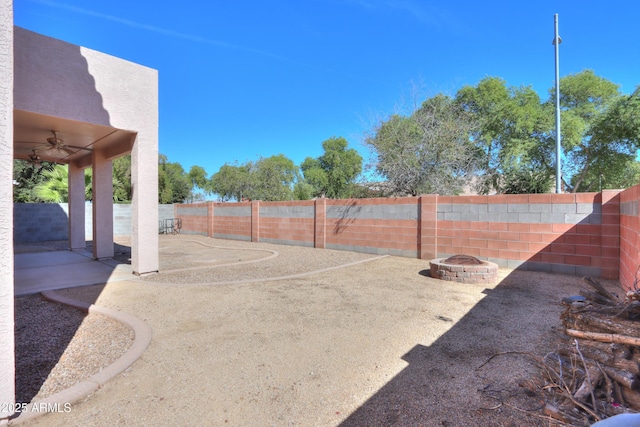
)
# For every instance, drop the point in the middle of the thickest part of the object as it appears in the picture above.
(78, 148)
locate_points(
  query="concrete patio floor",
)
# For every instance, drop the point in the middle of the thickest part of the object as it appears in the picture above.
(49, 270)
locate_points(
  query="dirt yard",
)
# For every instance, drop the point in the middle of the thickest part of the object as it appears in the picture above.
(374, 343)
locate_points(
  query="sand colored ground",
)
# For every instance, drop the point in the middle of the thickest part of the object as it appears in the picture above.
(372, 343)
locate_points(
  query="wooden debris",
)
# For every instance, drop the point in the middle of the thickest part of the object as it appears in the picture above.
(596, 373)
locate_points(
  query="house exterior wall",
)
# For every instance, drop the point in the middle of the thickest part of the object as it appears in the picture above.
(95, 88)
(7, 355)
(576, 234)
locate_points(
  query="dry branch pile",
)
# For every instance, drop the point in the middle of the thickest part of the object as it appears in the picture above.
(595, 375)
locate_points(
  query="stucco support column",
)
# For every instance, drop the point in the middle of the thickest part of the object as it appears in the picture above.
(210, 219)
(77, 238)
(428, 226)
(102, 189)
(320, 226)
(7, 354)
(144, 215)
(255, 221)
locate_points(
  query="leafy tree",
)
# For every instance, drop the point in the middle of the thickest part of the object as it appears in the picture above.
(427, 152)
(174, 185)
(333, 173)
(122, 189)
(626, 177)
(55, 187)
(525, 180)
(513, 133)
(232, 182)
(198, 178)
(267, 179)
(26, 177)
(273, 178)
(303, 190)
(600, 131)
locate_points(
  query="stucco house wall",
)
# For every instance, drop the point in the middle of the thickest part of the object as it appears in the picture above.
(7, 356)
(48, 80)
(58, 79)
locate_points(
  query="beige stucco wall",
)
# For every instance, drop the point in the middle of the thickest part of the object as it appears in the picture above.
(59, 79)
(7, 366)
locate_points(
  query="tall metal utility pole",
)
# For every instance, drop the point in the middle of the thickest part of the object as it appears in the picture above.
(556, 41)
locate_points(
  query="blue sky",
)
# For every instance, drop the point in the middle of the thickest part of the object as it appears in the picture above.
(246, 78)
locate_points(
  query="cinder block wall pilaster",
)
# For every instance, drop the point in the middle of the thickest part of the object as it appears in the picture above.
(210, 219)
(255, 221)
(630, 237)
(428, 227)
(320, 223)
(610, 232)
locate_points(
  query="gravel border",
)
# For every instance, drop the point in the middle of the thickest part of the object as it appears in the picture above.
(99, 357)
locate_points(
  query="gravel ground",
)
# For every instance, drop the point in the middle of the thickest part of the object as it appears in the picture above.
(371, 344)
(58, 346)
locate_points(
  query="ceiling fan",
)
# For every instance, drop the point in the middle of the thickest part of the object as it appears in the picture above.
(55, 144)
(34, 159)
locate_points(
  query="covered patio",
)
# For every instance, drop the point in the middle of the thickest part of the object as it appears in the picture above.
(72, 105)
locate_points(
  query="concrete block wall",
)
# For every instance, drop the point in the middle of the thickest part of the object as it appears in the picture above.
(378, 226)
(41, 222)
(630, 237)
(575, 234)
(288, 223)
(561, 233)
(194, 218)
(231, 221)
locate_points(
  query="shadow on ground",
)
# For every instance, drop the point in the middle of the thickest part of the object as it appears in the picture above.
(44, 329)
(520, 315)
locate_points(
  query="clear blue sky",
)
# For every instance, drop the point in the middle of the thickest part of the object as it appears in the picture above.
(241, 79)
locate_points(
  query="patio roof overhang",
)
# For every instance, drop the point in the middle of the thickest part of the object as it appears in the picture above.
(80, 139)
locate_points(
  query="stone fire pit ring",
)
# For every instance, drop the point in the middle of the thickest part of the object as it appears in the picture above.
(464, 269)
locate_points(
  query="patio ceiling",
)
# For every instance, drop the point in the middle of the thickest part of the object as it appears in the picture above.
(79, 139)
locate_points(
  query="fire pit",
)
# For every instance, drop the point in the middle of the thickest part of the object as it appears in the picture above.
(464, 269)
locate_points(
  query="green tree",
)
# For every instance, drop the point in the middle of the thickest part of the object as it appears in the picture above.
(198, 178)
(427, 152)
(333, 174)
(585, 101)
(269, 179)
(302, 190)
(513, 134)
(273, 178)
(231, 182)
(525, 180)
(55, 187)
(122, 189)
(27, 177)
(174, 185)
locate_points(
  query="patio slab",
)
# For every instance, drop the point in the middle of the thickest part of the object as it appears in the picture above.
(50, 270)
